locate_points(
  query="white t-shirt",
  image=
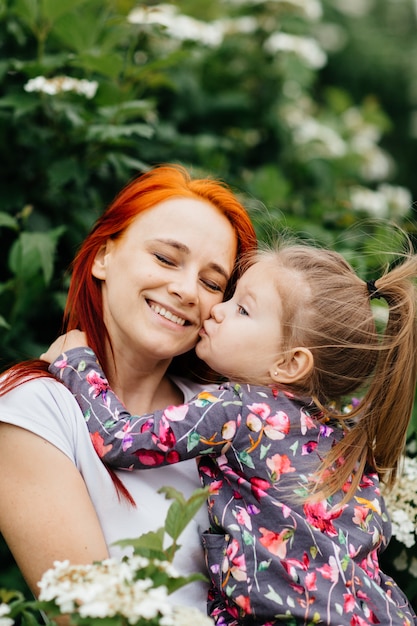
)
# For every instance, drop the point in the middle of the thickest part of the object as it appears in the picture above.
(48, 409)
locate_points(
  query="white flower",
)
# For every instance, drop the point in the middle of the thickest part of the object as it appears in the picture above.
(413, 567)
(398, 198)
(372, 202)
(306, 48)
(400, 562)
(58, 84)
(178, 26)
(401, 503)
(5, 610)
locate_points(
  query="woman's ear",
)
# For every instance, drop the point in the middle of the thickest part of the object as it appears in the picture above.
(98, 269)
(292, 367)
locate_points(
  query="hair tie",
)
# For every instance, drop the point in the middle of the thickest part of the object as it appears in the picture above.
(373, 290)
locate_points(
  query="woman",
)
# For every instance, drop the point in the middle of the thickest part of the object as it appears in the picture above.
(143, 283)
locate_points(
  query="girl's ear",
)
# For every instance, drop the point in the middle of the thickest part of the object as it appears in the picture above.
(98, 269)
(292, 367)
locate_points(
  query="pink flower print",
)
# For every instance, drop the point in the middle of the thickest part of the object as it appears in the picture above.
(330, 570)
(243, 518)
(279, 464)
(361, 514)
(306, 422)
(356, 620)
(176, 413)
(348, 602)
(244, 603)
(259, 487)
(310, 581)
(150, 458)
(172, 457)
(291, 566)
(235, 563)
(260, 408)
(165, 437)
(98, 441)
(318, 517)
(309, 447)
(98, 385)
(62, 363)
(278, 426)
(276, 543)
(215, 487)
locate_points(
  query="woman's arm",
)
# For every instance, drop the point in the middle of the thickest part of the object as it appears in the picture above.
(46, 512)
(141, 442)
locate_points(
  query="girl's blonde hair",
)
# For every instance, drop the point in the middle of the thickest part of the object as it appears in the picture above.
(331, 314)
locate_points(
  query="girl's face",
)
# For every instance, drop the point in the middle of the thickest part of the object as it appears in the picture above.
(163, 276)
(243, 336)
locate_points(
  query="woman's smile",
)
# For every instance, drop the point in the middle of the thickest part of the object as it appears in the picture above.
(168, 314)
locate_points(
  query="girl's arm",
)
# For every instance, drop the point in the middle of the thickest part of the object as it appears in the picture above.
(161, 438)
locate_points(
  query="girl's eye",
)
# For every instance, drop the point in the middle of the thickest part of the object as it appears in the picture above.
(241, 310)
(163, 259)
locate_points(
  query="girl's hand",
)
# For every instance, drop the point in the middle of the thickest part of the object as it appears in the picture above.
(72, 339)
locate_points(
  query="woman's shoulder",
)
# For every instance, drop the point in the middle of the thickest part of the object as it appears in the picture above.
(46, 408)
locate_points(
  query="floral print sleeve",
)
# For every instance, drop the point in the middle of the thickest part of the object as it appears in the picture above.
(203, 426)
(272, 555)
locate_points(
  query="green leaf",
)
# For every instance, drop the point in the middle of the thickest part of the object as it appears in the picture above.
(8, 221)
(107, 132)
(52, 9)
(246, 459)
(149, 544)
(32, 253)
(182, 511)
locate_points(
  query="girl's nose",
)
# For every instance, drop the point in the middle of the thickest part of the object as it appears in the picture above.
(218, 311)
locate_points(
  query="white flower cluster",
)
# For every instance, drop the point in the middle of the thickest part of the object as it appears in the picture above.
(387, 201)
(178, 26)
(4, 611)
(307, 48)
(112, 588)
(58, 84)
(402, 504)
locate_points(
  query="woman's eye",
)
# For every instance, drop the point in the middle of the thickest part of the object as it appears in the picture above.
(213, 286)
(241, 310)
(163, 259)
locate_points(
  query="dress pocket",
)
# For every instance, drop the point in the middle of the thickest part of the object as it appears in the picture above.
(215, 546)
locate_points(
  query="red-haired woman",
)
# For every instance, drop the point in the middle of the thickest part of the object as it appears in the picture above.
(143, 282)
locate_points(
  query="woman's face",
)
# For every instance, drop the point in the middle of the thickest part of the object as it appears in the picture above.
(162, 277)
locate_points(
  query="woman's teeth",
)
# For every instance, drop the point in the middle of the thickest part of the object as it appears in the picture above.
(168, 315)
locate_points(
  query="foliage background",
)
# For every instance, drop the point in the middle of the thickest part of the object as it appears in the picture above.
(306, 107)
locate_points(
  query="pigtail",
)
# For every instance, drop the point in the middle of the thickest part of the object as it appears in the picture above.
(376, 429)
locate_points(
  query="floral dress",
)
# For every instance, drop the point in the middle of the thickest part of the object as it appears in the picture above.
(272, 556)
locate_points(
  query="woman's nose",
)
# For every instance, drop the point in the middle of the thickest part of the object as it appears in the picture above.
(186, 289)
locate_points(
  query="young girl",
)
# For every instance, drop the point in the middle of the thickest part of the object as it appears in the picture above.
(297, 517)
